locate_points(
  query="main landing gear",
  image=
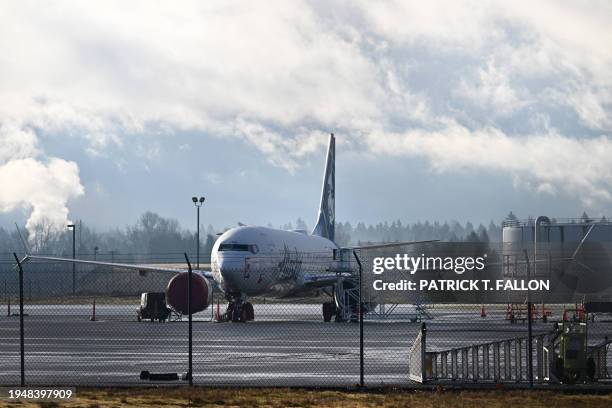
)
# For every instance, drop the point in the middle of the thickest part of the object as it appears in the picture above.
(345, 304)
(239, 311)
(338, 314)
(329, 311)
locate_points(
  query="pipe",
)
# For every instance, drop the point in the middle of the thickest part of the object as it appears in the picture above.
(541, 219)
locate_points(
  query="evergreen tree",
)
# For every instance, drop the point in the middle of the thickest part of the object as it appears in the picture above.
(482, 234)
(301, 225)
(584, 217)
(472, 237)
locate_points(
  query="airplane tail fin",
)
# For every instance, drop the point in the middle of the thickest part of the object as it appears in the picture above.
(325, 226)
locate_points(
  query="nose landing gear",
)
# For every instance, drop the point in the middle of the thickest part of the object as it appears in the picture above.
(239, 311)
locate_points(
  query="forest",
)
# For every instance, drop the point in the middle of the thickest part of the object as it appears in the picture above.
(153, 234)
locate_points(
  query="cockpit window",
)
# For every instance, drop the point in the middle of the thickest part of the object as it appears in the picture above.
(233, 247)
(239, 247)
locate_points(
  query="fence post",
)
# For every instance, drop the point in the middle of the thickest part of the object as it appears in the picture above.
(190, 369)
(361, 364)
(93, 314)
(540, 358)
(21, 333)
(529, 324)
(423, 355)
(212, 304)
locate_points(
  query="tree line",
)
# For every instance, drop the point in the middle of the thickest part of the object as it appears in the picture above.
(348, 233)
(154, 234)
(150, 234)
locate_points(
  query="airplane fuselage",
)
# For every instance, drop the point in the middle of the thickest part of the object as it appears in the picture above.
(261, 261)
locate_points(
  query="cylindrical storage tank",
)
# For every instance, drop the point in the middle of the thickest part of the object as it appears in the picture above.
(512, 239)
(176, 293)
(555, 233)
(512, 235)
(576, 266)
(522, 234)
(573, 233)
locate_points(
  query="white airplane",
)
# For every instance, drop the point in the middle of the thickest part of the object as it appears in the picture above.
(249, 261)
(252, 261)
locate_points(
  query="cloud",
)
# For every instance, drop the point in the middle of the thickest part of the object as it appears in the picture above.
(149, 151)
(592, 106)
(477, 77)
(287, 152)
(214, 178)
(544, 162)
(491, 91)
(16, 143)
(193, 67)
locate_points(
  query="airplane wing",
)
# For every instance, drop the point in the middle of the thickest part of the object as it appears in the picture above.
(322, 280)
(328, 279)
(138, 267)
(392, 244)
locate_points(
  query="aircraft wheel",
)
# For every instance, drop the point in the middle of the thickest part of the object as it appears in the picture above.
(328, 311)
(236, 313)
(248, 311)
(244, 313)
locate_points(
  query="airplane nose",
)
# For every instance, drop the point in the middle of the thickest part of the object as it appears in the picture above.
(231, 269)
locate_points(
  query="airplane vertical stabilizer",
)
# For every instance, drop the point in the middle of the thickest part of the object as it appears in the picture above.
(325, 226)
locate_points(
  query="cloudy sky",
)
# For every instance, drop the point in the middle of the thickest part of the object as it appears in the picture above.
(444, 110)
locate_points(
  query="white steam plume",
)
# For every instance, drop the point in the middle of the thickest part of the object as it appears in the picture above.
(42, 186)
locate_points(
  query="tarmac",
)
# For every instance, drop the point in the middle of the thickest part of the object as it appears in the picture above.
(287, 345)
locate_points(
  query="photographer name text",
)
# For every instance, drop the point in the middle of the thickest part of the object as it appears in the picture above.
(464, 285)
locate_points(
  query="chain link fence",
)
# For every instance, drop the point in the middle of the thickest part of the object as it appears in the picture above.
(99, 335)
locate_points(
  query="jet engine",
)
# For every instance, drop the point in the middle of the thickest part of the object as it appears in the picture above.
(176, 293)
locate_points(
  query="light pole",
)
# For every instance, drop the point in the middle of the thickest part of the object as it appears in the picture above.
(198, 203)
(73, 257)
(96, 252)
